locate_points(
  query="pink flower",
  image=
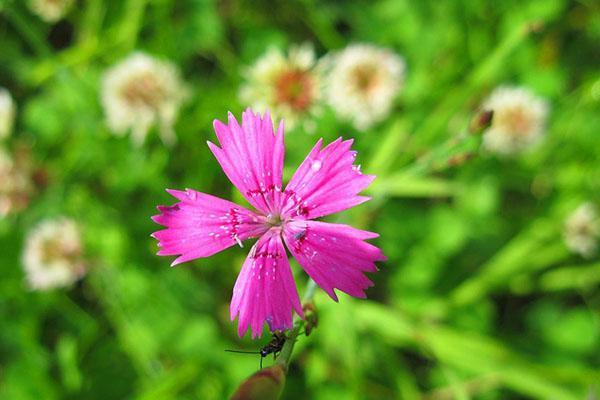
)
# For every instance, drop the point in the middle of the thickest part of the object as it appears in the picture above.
(335, 256)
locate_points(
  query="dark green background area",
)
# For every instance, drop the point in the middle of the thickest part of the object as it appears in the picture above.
(480, 299)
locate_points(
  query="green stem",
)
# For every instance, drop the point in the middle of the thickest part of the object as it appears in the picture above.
(91, 22)
(320, 24)
(130, 25)
(29, 31)
(288, 347)
(485, 72)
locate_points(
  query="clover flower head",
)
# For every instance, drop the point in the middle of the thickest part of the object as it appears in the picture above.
(335, 256)
(15, 185)
(582, 230)
(7, 113)
(53, 254)
(518, 122)
(50, 11)
(142, 91)
(286, 84)
(363, 81)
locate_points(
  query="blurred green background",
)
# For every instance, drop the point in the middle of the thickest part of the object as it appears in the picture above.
(480, 297)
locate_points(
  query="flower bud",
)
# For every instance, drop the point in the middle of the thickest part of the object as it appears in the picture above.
(266, 384)
(312, 319)
(481, 121)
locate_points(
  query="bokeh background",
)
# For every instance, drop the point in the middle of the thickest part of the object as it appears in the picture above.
(480, 298)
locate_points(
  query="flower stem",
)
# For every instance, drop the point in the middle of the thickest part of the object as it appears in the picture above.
(27, 30)
(288, 347)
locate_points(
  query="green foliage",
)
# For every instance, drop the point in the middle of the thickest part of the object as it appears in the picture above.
(480, 298)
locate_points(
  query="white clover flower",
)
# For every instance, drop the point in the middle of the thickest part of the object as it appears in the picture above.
(50, 11)
(15, 186)
(287, 85)
(142, 91)
(53, 254)
(518, 121)
(362, 82)
(582, 230)
(7, 113)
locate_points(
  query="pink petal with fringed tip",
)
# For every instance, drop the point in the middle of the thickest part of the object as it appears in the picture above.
(326, 182)
(265, 288)
(335, 256)
(201, 225)
(251, 156)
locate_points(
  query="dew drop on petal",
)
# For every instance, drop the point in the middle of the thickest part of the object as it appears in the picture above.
(316, 165)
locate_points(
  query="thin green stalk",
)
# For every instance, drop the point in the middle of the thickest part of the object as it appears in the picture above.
(286, 352)
(103, 283)
(393, 141)
(486, 71)
(434, 126)
(320, 24)
(33, 36)
(541, 239)
(129, 27)
(91, 23)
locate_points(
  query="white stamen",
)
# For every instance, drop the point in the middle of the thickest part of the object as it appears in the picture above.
(239, 242)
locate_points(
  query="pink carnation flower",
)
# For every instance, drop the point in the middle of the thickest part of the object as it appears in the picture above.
(335, 256)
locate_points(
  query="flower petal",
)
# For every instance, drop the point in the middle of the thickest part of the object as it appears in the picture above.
(326, 182)
(265, 289)
(251, 156)
(335, 256)
(201, 225)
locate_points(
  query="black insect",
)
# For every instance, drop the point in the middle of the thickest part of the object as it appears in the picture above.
(273, 347)
(300, 235)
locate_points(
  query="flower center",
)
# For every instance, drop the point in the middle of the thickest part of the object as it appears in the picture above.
(53, 250)
(365, 78)
(274, 220)
(294, 88)
(145, 90)
(585, 228)
(518, 122)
